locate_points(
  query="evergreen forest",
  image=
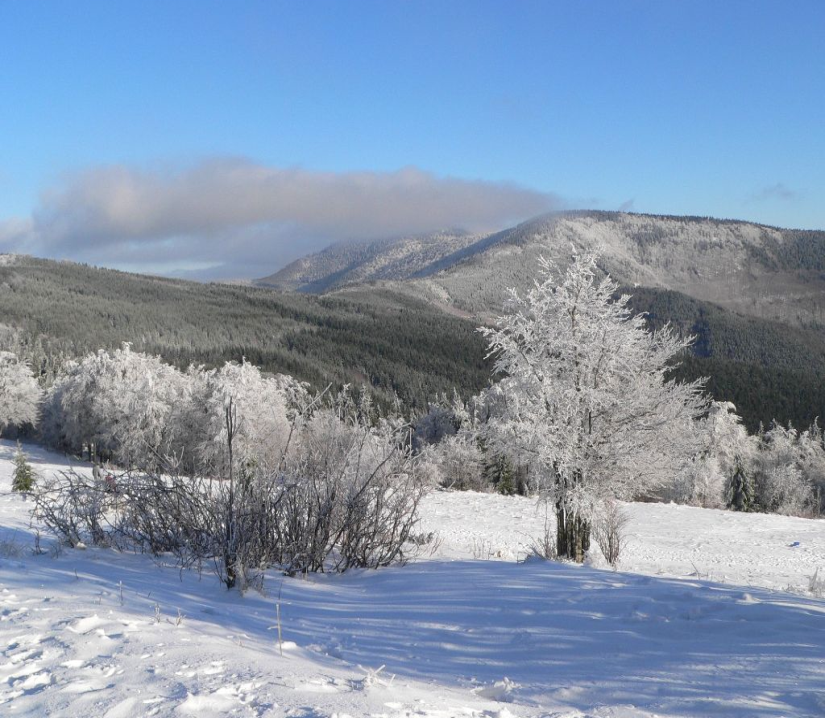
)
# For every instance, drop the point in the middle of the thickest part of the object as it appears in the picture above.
(405, 350)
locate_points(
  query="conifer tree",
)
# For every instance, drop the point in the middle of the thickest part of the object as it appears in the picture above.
(23, 478)
(740, 490)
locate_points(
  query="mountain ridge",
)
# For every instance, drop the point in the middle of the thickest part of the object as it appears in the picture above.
(753, 269)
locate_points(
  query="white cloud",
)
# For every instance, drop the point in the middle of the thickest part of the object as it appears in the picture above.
(249, 218)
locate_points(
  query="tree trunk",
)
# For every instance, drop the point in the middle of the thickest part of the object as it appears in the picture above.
(572, 534)
(229, 553)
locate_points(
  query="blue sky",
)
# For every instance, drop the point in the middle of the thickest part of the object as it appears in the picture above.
(230, 138)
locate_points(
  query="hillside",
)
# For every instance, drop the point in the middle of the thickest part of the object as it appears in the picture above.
(413, 336)
(768, 369)
(395, 344)
(754, 296)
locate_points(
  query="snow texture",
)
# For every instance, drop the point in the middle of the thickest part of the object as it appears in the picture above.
(699, 621)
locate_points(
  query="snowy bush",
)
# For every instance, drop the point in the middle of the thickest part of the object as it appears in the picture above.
(19, 392)
(457, 463)
(781, 484)
(352, 498)
(343, 494)
(705, 480)
(784, 490)
(140, 412)
(437, 424)
(545, 546)
(75, 508)
(262, 406)
(116, 404)
(609, 530)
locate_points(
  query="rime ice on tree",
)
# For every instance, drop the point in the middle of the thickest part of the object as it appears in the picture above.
(587, 401)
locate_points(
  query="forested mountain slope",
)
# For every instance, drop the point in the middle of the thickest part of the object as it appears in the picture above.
(754, 296)
(768, 369)
(398, 345)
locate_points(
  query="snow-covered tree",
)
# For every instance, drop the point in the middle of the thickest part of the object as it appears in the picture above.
(433, 427)
(456, 462)
(19, 392)
(781, 484)
(811, 450)
(587, 398)
(705, 481)
(262, 406)
(119, 402)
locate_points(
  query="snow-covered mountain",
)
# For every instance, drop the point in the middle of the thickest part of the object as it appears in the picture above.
(344, 264)
(749, 268)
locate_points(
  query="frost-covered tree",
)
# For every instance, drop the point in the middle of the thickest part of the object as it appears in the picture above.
(19, 392)
(781, 484)
(262, 405)
(705, 481)
(456, 462)
(118, 402)
(811, 451)
(587, 398)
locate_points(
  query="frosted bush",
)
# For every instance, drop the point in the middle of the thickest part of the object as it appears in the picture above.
(784, 490)
(457, 463)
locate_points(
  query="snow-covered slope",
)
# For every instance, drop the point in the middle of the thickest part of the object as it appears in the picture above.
(689, 627)
(751, 269)
(756, 270)
(358, 262)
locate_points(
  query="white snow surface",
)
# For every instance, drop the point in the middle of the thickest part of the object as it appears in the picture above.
(707, 616)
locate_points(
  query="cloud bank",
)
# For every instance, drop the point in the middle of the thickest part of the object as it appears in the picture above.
(236, 218)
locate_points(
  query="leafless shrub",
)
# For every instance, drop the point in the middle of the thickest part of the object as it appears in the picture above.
(75, 507)
(9, 548)
(428, 542)
(816, 585)
(482, 549)
(608, 530)
(345, 497)
(350, 497)
(545, 546)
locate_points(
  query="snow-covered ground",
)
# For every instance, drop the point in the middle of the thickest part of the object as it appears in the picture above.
(698, 622)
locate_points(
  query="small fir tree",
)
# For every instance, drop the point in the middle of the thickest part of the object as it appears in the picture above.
(500, 473)
(740, 490)
(23, 479)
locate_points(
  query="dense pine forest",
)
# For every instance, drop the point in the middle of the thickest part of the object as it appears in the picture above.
(400, 347)
(768, 370)
(397, 346)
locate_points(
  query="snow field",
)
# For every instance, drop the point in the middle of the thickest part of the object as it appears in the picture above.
(689, 626)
